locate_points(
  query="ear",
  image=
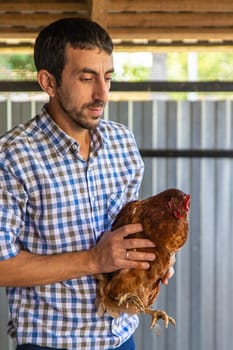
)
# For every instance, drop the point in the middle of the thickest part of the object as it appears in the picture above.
(47, 82)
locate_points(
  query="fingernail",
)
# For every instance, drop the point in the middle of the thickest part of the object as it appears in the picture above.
(151, 257)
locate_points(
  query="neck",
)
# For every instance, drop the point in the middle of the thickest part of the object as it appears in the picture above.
(81, 135)
(84, 141)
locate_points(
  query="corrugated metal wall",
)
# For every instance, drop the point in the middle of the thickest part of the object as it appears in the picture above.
(199, 296)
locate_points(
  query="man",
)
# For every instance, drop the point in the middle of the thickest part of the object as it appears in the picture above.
(64, 176)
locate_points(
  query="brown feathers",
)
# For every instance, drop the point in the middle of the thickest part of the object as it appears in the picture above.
(164, 218)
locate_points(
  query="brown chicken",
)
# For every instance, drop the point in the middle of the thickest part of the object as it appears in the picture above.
(164, 218)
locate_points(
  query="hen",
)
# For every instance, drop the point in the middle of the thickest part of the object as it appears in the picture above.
(164, 218)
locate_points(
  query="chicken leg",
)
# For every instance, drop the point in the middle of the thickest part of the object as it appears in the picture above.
(160, 314)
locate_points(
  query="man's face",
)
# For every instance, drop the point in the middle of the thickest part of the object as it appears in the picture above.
(84, 88)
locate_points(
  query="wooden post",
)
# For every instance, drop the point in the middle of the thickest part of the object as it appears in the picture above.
(98, 12)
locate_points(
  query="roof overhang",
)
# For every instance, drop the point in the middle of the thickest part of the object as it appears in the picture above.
(146, 25)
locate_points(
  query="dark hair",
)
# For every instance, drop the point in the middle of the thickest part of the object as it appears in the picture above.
(49, 50)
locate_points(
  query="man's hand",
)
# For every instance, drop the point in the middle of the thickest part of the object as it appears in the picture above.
(171, 270)
(114, 252)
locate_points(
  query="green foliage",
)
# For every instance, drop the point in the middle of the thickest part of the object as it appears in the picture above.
(17, 67)
(132, 73)
(211, 66)
(215, 66)
(177, 66)
(21, 62)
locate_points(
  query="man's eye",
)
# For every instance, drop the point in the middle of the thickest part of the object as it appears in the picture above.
(108, 79)
(86, 80)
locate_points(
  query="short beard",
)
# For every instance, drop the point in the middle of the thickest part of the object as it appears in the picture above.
(76, 117)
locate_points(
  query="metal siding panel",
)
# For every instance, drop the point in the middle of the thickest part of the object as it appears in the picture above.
(230, 265)
(138, 126)
(142, 123)
(183, 263)
(223, 196)
(3, 114)
(222, 222)
(161, 144)
(207, 222)
(118, 112)
(195, 229)
(123, 113)
(196, 115)
(21, 112)
(142, 129)
(172, 142)
(38, 106)
(230, 248)
(195, 242)
(171, 290)
(113, 111)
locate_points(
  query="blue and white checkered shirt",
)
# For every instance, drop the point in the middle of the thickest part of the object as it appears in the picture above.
(52, 201)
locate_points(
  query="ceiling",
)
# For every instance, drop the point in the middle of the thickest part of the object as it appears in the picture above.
(148, 25)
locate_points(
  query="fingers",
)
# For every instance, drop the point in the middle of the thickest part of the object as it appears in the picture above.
(123, 231)
(172, 260)
(169, 275)
(127, 230)
(139, 256)
(136, 243)
(132, 243)
(138, 265)
(114, 252)
(171, 272)
(133, 247)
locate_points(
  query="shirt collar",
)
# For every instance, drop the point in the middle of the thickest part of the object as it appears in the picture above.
(62, 141)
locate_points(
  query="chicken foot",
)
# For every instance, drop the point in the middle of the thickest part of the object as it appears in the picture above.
(130, 298)
(160, 314)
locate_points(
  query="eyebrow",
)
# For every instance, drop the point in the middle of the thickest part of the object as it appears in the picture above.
(91, 71)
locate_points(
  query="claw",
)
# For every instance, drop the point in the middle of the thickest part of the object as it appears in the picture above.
(132, 299)
(159, 314)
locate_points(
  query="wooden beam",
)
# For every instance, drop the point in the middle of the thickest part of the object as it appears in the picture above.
(136, 34)
(125, 20)
(119, 5)
(163, 19)
(31, 20)
(97, 10)
(170, 33)
(40, 6)
(23, 47)
(171, 5)
(174, 46)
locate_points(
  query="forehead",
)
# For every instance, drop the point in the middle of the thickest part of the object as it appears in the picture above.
(83, 58)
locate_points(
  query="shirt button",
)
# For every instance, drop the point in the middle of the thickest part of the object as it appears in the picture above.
(74, 147)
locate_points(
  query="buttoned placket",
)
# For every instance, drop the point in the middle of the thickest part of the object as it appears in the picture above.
(91, 186)
(75, 147)
(88, 167)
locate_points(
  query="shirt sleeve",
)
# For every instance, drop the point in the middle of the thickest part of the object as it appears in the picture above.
(12, 205)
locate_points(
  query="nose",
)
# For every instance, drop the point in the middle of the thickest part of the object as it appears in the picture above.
(101, 91)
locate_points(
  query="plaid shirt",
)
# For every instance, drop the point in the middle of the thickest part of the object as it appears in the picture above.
(53, 201)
